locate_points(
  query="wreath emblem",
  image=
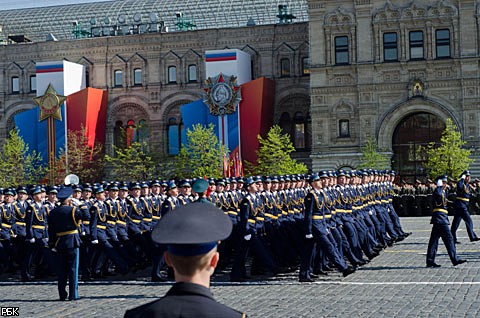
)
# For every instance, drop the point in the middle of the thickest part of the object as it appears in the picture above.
(223, 94)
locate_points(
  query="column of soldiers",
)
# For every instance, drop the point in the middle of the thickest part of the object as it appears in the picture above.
(325, 221)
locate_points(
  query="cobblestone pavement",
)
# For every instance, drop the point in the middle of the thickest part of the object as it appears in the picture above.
(395, 284)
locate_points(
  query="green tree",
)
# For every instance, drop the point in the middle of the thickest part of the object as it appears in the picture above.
(85, 162)
(372, 157)
(131, 163)
(202, 155)
(18, 165)
(274, 155)
(449, 158)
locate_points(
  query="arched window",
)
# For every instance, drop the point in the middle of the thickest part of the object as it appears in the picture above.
(131, 132)
(285, 123)
(173, 137)
(137, 77)
(284, 67)
(142, 133)
(172, 74)
(299, 133)
(192, 73)
(119, 135)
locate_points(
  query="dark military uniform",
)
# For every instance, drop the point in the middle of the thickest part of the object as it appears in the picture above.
(460, 206)
(441, 229)
(63, 229)
(185, 300)
(192, 230)
(37, 236)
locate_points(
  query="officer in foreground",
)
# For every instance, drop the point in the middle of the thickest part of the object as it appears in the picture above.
(63, 230)
(441, 227)
(191, 234)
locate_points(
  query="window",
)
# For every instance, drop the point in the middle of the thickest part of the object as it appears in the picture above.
(341, 50)
(142, 134)
(173, 137)
(137, 77)
(192, 73)
(285, 123)
(344, 128)
(15, 85)
(390, 49)
(284, 67)
(33, 83)
(306, 66)
(119, 135)
(442, 43)
(172, 74)
(131, 132)
(416, 45)
(299, 133)
(118, 78)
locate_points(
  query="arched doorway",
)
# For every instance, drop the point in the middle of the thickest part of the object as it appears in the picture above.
(415, 130)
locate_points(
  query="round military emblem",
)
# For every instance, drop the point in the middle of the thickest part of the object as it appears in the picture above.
(50, 103)
(222, 95)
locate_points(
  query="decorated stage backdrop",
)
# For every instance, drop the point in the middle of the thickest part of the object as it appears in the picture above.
(64, 103)
(239, 108)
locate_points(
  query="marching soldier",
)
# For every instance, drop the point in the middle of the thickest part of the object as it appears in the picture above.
(316, 231)
(249, 235)
(172, 199)
(98, 231)
(440, 227)
(7, 226)
(36, 236)
(461, 206)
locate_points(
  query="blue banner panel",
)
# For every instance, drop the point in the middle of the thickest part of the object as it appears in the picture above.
(34, 133)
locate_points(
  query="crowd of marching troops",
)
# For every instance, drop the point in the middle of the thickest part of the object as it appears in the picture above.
(322, 222)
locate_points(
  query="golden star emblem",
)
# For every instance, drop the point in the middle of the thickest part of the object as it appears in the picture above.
(50, 104)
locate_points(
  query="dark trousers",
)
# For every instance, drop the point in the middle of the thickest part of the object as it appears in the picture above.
(67, 262)
(461, 213)
(106, 248)
(158, 261)
(441, 231)
(259, 252)
(327, 247)
(37, 254)
(6, 255)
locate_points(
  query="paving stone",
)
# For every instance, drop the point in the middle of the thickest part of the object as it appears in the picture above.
(395, 284)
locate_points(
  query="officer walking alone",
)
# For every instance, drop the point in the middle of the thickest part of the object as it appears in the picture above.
(63, 225)
(440, 227)
(461, 205)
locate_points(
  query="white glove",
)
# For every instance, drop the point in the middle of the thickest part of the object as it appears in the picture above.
(54, 250)
(370, 212)
(309, 236)
(32, 240)
(95, 242)
(83, 233)
(45, 239)
(247, 237)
